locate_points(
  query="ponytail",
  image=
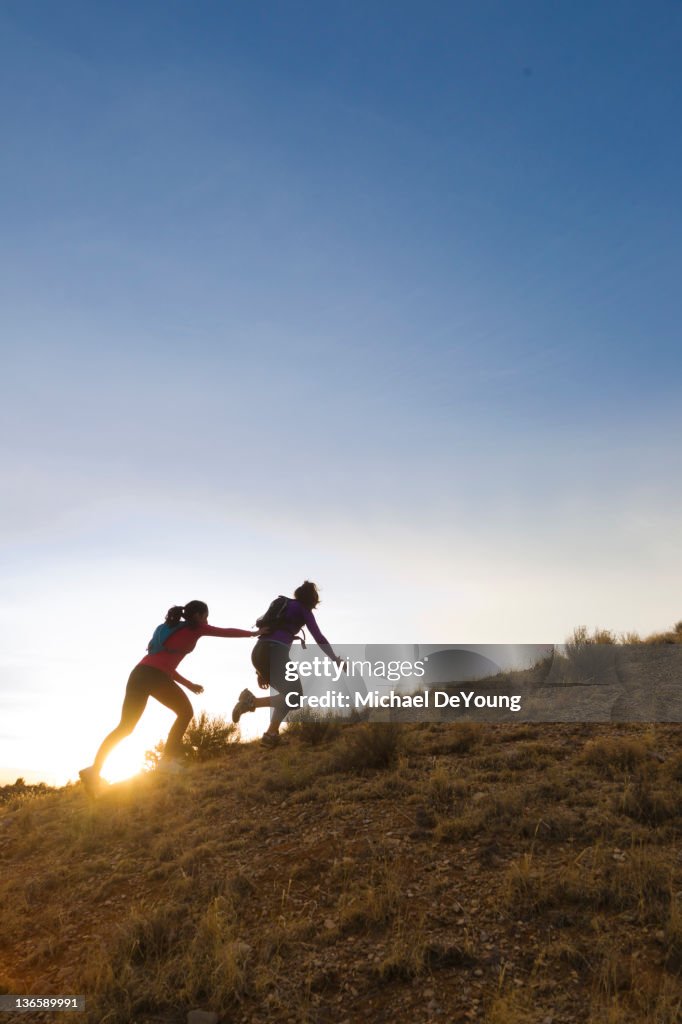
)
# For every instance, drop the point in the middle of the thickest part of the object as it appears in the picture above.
(175, 615)
(184, 613)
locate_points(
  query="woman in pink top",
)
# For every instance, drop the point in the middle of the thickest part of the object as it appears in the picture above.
(157, 676)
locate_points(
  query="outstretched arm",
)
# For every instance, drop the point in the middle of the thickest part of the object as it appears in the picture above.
(319, 637)
(218, 631)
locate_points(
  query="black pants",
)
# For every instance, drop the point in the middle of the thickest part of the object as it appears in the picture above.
(270, 662)
(145, 682)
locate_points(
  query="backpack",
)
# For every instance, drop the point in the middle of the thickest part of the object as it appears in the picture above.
(161, 634)
(276, 618)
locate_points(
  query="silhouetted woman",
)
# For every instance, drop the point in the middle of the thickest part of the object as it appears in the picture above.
(271, 654)
(157, 676)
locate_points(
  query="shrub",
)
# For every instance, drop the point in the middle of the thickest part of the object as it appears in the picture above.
(442, 789)
(642, 803)
(18, 793)
(372, 745)
(207, 737)
(313, 728)
(615, 753)
(590, 657)
(670, 636)
(458, 738)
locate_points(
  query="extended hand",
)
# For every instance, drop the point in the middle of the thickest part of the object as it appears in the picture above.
(196, 688)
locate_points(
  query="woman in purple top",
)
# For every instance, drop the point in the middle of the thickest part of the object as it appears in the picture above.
(271, 654)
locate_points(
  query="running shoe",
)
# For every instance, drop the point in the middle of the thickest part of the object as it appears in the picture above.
(92, 780)
(270, 740)
(246, 702)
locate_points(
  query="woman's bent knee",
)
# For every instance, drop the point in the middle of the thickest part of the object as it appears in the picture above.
(185, 716)
(124, 729)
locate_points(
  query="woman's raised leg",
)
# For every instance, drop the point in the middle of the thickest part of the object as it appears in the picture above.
(134, 703)
(172, 696)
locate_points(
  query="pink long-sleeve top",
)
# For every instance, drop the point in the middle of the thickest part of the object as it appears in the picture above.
(182, 642)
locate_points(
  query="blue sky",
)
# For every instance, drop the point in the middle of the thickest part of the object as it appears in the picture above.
(384, 295)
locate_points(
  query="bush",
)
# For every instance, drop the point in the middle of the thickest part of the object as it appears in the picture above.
(313, 728)
(19, 792)
(372, 745)
(642, 803)
(615, 753)
(590, 657)
(207, 736)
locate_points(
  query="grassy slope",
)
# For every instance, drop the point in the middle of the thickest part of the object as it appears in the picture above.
(489, 873)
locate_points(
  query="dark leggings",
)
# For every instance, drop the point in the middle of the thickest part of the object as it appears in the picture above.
(270, 662)
(146, 682)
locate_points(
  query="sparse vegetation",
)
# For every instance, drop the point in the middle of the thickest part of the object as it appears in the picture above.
(589, 657)
(19, 792)
(368, 746)
(314, 728)
(612, 755)
(371, 871)
(207, 737)
(581, 637)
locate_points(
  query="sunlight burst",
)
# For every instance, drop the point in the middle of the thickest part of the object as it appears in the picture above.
(127, 760)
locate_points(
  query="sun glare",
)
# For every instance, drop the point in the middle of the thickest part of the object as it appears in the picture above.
(128, 759)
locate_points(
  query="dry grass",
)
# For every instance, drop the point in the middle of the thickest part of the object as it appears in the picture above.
(650, 805)
(636, 881)
(314, 728)
(367, 747)
(670, 636)
(207, 737)
(516, 874)
(612, 755)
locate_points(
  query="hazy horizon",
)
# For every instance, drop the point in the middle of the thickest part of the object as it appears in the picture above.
(289, 291)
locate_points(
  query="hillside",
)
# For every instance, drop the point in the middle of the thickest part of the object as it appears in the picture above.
(430, 872)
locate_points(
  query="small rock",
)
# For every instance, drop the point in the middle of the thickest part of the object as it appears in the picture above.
(202, 1017)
